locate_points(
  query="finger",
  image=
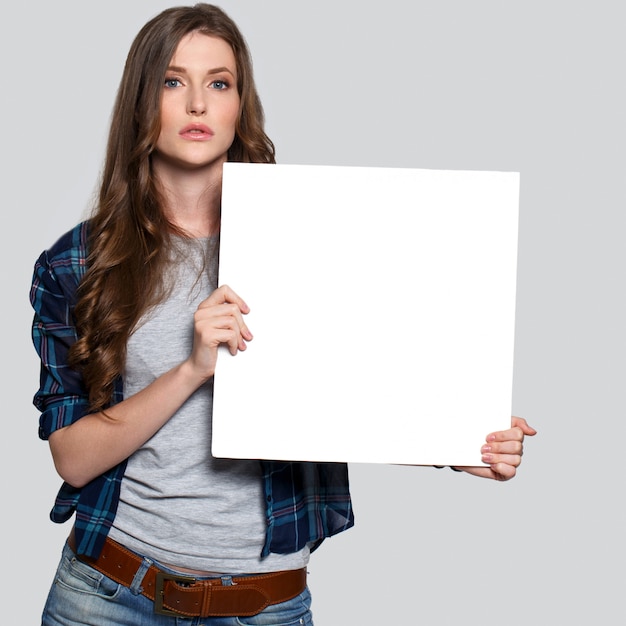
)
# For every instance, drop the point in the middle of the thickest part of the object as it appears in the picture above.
(512, 434)
(236, 309)
(223, 311)
(213, 330)
(224, 294)
(517, 433)
(491, 459)
(229, 338)
(504, 447)
(500, 472)
(526, 428)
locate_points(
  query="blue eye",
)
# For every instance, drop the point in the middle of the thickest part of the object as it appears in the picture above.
(172, 82)
(219, 84)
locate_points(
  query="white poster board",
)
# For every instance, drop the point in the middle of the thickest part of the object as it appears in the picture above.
(382, 308)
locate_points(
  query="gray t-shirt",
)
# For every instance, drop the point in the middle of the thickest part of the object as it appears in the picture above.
(178, 504)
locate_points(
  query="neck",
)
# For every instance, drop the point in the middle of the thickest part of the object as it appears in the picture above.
(192, 197)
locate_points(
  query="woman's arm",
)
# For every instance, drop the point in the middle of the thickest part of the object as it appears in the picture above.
(99, 441)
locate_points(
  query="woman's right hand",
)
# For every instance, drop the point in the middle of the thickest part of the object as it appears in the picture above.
(218, 320)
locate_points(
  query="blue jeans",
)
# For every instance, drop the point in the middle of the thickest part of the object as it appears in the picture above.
(82, 596)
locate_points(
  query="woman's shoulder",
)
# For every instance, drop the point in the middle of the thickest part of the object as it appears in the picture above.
(66, 259)
(72, 243)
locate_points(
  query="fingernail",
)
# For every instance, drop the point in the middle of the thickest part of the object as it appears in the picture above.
(487, 458)
(485, 448)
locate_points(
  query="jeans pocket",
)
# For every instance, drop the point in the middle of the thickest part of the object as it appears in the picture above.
(79, 593)
(75, 575)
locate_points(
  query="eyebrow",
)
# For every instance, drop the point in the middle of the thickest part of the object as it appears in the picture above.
(215, 70)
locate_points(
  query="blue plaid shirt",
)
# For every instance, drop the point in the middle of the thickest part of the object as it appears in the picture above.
(306, 502)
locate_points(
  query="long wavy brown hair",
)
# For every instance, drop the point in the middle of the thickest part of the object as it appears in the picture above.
(129, 235)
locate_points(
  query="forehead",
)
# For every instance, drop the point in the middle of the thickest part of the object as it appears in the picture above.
(197, 51)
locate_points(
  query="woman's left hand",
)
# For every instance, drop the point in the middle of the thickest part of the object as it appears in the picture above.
(503, 451)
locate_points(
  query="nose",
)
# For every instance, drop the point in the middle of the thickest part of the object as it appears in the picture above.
(196, 104)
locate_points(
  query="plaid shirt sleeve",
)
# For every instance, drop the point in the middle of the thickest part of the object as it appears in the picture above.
(62, 397)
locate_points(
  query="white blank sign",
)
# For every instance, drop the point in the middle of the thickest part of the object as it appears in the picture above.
(382, 307)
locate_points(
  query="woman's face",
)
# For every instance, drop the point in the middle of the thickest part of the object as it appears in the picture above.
(199, 105)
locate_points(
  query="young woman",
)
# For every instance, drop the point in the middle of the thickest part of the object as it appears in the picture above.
(128, 320)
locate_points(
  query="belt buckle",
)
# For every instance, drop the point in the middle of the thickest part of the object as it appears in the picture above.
(159, 592)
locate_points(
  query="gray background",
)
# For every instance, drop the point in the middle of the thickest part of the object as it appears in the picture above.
(529, 86)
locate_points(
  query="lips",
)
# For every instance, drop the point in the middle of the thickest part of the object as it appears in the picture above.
(196, 132)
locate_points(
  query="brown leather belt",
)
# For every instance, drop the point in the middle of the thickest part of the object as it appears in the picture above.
(185, 595)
